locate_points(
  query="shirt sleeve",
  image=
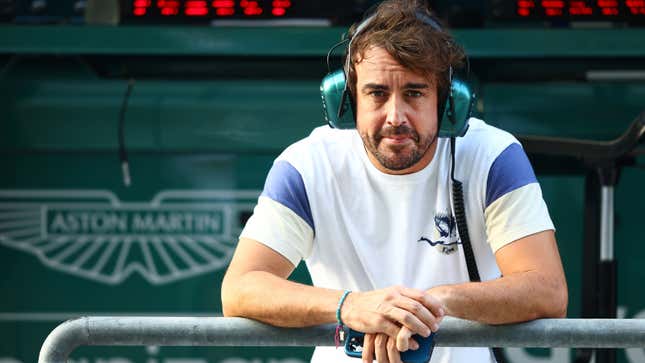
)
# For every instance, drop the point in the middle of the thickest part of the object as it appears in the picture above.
(514, 204)
(282, 218)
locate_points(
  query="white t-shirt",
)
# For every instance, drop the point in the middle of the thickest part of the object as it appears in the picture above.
(360, 229)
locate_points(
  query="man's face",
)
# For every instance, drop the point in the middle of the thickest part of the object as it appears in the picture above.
(396, 113)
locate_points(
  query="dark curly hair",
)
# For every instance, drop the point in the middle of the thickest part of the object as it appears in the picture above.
(402, 29)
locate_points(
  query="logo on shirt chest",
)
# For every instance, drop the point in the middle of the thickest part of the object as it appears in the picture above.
(444, 235)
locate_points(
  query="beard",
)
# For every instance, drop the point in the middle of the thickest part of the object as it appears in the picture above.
(398, 157)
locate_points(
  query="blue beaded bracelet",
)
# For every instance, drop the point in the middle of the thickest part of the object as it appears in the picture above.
(338, 336)
(340, 305)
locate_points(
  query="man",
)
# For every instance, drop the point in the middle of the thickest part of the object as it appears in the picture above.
(370, 211)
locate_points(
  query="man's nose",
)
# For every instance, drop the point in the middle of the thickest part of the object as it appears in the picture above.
(396, 111)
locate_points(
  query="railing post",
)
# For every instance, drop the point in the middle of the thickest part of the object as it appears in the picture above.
(62, 341)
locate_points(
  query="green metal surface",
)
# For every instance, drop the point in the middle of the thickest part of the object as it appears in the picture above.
(242, 116)
(304, 41)
(178, 40)
(584, 110)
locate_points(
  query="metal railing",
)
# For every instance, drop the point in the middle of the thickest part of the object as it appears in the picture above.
(204, 331)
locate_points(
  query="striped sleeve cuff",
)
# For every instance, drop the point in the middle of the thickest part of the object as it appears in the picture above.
(281, 229)
(510, 170)
(284, 185)
(515, 215)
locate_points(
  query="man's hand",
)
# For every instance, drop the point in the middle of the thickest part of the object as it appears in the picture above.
(383, 348)
(387, 310)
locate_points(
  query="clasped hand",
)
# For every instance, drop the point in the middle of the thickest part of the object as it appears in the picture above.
(389, 318)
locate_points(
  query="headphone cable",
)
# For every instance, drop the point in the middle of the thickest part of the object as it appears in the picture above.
(123, 155)
(331, 50)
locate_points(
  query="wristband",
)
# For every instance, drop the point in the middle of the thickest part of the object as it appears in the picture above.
(339, 327)
(340, 305)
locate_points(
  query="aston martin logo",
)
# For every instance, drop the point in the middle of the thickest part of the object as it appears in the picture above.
(92, 234)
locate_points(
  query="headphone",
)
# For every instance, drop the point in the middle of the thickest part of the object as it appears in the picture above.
(339, 107)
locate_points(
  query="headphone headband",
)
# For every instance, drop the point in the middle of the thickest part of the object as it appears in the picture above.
(424, 18)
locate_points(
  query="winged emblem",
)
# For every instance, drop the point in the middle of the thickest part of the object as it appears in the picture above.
(94, 235)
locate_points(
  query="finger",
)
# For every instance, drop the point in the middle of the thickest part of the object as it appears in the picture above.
(430, 317)
(387, 327)
(421, 312)
(413, 344)
(429, 301)
(380, 348)
(368, 348)
(425, 307)
(410, 321)
(392, 353)
(403, 339)
(435, 306)
(415, 294)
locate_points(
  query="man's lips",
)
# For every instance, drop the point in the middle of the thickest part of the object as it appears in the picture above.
(397, 139)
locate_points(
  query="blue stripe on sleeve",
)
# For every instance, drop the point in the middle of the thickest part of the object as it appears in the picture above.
(284, 185)
(511, 170)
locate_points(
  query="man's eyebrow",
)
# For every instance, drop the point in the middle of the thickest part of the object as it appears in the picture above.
(382, 87)
(416, 86)
(375, 86)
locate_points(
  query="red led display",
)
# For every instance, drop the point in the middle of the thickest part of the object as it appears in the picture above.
(142, 3)
(278, 11)
(196, 8)
(141, 7)
(224, 8)
(225, 11)
(525, 7)
(250, 8)
(223, 4)
(212, 8)
(636, 7)
(281, 4)
(579, 10)
(168, 3)
(608, 8)
(196, 11)
(169, 11)
(553, 7)
(168, 7)
(539, 12)
(280, 7)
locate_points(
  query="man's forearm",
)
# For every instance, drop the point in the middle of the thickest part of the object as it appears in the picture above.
(255, 286)
(515, 298)
(268, 298)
